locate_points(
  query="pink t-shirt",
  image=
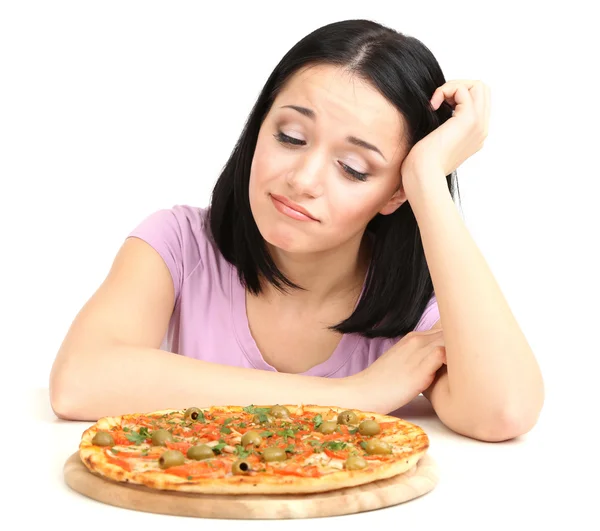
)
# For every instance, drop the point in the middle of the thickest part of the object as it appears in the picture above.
(209, 320)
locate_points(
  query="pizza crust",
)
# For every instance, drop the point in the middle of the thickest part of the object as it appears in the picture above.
(413, 440)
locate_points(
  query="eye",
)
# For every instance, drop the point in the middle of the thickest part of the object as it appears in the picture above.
(285, 139)
(355, 174)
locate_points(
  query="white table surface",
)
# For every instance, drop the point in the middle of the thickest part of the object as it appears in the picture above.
(542, 478)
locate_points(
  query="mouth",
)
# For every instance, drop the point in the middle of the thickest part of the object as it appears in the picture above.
(291, 209)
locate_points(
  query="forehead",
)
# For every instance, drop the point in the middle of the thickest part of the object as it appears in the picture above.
(343, 100)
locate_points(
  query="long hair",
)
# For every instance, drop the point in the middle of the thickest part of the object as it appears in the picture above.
(398, 284)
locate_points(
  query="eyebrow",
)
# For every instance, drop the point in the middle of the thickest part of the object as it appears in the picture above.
(352, 139)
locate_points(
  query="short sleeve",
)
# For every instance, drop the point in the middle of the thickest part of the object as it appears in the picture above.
(167, 232)
(430, 316)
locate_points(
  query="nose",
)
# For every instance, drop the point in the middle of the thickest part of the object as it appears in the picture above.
(307, 174)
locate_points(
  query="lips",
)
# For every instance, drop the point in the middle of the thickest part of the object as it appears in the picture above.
(293, 205)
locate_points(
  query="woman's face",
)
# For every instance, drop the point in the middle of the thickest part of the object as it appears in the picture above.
(305, 156)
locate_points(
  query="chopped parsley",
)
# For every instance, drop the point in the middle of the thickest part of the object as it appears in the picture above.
(286, 433)
(241, 452)
(217, 449)
(319, 446)
(138, 438)
(291, 448)
(318, 420)
(224, 428)
(335, 445)
(256, 410)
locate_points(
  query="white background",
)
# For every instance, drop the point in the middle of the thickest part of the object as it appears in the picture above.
(111, 110)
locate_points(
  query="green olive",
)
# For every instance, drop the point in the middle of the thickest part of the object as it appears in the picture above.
(328, 426)
(280, 412)
(268, 420)
(160, 437)
(375, 446)
(274, 453)
(347, 417)
(355, 462)
(171, 458)
(251, 437)
(241, 466)
(200, 451)
(369, 427)
(192, 413)
(103, 438)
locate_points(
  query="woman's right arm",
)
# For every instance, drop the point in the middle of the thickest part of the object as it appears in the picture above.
(110, 362)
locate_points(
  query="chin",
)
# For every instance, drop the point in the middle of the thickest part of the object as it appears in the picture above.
(282, 237)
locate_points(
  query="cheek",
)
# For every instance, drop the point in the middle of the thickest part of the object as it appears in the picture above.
(265, 164)
(355, 206)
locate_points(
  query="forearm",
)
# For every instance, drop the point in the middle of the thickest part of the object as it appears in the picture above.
(125, 379)
(491, 370)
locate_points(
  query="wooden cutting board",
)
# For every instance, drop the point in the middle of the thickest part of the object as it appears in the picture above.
(421, 479)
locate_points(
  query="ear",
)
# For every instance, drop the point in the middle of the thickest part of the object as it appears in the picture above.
(394, 202)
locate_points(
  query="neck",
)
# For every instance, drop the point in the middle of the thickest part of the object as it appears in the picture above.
(333, 275)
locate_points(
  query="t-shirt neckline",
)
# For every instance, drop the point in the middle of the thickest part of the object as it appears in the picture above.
(241, 327)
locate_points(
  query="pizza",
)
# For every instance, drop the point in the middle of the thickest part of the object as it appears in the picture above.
(277, 449)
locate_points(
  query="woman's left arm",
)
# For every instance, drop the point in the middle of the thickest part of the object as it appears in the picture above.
(491, 388)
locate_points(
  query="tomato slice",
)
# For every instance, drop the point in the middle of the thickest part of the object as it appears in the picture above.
(198, 469)
(119, 462)
(336, 455)
(183, 447)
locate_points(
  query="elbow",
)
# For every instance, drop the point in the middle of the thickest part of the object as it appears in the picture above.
(61, 408)
(61, 395)
(502, 429)
(505, 421)
(516, 420)
(508, 424)
(60, 403)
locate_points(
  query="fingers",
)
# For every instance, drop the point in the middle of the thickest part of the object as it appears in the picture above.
(433, 360)
(448, 91)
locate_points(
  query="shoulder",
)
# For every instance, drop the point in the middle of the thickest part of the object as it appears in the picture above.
(181, 236)
(182, 219)
(181, 227)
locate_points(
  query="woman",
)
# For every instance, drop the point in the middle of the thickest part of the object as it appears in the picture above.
(310, 277)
